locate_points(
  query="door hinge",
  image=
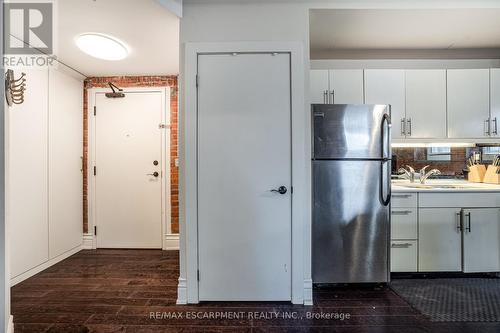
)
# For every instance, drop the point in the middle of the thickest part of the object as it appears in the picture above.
(95, 110)
(163, 126)
(197, 80)
(198, 275)
(95, 230)
(95, 171)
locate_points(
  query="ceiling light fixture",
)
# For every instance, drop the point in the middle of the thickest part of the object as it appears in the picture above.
(102, 46)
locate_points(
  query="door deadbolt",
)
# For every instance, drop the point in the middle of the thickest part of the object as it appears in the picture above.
(155, 163)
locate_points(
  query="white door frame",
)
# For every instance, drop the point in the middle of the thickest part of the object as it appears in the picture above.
(301, 179)
(165, 157)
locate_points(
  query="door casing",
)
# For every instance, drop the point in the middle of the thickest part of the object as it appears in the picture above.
(301, 168)
(165, 149)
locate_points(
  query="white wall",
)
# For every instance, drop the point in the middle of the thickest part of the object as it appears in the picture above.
(4, 246)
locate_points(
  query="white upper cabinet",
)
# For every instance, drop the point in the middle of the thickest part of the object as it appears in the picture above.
(319, 92)
(495, 99)
(426, 104)
(469, 103)
(346, 86)
(337, 86)
(387, 86)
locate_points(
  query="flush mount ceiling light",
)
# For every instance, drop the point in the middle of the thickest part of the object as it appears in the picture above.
(102, 46)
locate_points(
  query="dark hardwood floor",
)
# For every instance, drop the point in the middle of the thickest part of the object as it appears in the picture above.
(117, 290)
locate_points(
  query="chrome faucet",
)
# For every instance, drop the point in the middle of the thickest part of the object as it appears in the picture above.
(407, 174)
(424, 176)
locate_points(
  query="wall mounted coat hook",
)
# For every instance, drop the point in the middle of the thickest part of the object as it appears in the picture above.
(14, 88)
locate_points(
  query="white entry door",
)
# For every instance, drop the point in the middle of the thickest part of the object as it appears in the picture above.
(244, 152)
(128, 174)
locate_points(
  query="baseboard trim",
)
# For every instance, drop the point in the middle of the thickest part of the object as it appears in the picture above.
(88, 242)
(171, 242)
(10, 325)
(26, 275)
(182, 292)
(308, 292)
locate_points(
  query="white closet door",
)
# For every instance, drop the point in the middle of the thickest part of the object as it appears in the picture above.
(244, 153)
(27, 205)
(65, 151)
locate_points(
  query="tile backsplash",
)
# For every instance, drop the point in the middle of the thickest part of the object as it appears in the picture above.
(450, 161)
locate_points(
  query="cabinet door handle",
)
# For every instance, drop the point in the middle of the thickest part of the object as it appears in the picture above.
(401, 245)
(332, 94)
(403, 126)
(468, 227)
(402, 196)
(459, 222)
(487, 127)
(409, 127)
(325, 97)
(401, 212)
(495, 128)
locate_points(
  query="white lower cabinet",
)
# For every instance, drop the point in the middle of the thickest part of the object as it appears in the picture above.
(440, 240)
(481, 245)
(403, 256)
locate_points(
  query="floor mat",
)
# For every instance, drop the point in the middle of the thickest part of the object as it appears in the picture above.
(454, 299)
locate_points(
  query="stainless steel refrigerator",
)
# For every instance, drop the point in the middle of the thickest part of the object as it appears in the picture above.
(351, 193)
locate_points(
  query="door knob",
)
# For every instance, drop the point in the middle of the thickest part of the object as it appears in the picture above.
(280, 190)
(154, 174)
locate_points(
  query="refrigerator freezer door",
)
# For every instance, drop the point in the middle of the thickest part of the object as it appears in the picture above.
(351, 224)
(347, 131)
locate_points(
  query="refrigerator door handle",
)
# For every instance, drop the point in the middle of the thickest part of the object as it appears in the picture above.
(385, 132)
(385, 180)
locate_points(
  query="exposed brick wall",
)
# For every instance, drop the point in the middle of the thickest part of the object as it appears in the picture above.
(416, 157)
(127, 82)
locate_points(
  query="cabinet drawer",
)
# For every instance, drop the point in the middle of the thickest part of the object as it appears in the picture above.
(404, 223)
(403, 256)
(461, 199)
(404, 200)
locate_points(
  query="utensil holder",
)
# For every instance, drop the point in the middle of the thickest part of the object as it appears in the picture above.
(491, 176)
(477, 173)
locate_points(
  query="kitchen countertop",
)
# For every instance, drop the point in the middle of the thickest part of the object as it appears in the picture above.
(433, 186)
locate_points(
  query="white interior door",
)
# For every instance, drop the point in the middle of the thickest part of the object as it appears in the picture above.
(128, 197)
(244, 151)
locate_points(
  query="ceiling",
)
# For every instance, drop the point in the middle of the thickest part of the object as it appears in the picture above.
(151, 32)
(409, 33)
